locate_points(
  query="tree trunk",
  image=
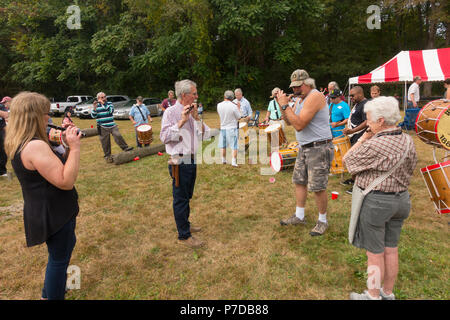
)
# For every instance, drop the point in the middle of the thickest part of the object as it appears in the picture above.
(431, 37)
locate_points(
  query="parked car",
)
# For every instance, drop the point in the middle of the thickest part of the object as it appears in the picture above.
(58, 108)
(84, 109)
(123, 113)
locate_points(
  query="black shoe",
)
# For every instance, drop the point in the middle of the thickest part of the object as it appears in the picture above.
(347, 182)
(128, 149)
(349, 191)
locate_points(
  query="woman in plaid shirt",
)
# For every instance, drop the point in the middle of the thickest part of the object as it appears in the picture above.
(386, 207)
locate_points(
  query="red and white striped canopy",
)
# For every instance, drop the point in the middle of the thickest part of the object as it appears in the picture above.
(430, 65)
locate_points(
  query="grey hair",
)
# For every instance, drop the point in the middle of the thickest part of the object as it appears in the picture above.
(310, 82)
(100, 93)
(384, 107)
(184, 87)
(238, 90)
(334, 84)
(229, 95)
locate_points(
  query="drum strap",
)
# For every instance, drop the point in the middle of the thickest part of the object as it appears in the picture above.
(143, 118)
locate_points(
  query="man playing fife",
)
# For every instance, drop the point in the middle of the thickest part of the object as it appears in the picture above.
(103, 113)
(316, 153)
(229, 114)
(181, 130)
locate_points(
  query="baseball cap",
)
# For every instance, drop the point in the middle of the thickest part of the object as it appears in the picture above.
(5, 99)
(335, 93)
(298, 77)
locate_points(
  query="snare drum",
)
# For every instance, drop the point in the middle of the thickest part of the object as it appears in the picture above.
(436, 179)
(341, 146)
(243, 133)
(55, 137)
(433, 124)
(145, 134)
(283, 159)
(276, 132)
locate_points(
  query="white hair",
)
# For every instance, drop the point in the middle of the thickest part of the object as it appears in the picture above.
(334, 84)
(100, 93)
(310, 82)
(229, 95)
(383, 107)
(238, 90)
(184, 87)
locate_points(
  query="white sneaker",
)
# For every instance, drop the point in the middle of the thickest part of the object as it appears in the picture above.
(362, 296)
(4, 175)
(385, 296)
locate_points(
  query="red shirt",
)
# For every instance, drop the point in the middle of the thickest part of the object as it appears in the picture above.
(165, 104)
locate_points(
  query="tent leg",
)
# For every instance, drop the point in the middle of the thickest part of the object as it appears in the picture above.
(405, 97)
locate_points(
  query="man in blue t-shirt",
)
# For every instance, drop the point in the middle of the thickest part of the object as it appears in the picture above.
(339, 113)
(139, 114)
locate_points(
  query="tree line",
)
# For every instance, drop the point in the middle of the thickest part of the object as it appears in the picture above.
(141, 47)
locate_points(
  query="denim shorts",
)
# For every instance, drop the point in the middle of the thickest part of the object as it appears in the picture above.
(312, 167)
(228, 138)
(380, 221)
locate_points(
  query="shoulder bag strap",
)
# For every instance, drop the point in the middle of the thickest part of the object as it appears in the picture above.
(380, 179)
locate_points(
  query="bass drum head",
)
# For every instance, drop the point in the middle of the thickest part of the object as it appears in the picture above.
(443, 129)
(276, 161)
(144, 128)
(242, 125)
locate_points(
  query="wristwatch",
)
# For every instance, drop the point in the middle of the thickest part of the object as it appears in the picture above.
(284, 107)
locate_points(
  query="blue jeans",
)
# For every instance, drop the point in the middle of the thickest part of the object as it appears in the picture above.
(181, 197)
(60, 247)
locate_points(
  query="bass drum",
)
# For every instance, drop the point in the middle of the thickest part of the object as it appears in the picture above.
(433, 124)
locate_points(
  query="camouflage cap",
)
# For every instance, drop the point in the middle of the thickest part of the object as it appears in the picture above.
(298, 77)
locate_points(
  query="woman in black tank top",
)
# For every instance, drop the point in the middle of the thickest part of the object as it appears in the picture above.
(47, 181)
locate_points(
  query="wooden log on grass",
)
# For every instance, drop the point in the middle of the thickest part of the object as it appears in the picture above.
(129, 156)
(91, 132)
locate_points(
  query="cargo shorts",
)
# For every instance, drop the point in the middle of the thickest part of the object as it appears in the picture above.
(312, 167)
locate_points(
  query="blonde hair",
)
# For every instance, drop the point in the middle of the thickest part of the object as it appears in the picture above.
(26, 121)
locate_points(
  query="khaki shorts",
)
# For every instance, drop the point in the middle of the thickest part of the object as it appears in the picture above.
(312, 167)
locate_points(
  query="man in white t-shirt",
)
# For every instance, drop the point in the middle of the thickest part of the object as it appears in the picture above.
(229, 114)
(414, 92)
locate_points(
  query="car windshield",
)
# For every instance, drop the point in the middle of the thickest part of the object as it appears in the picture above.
(90, 101)
(72, 99)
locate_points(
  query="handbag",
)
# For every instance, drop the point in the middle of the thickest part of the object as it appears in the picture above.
(359, 194)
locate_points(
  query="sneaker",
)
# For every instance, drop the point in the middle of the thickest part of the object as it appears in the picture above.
(319, 229)
(235, 165)
(294, 220)
(128, 149)
(362, 296)
(385, 296)
(109, 159)
(192, 242)
(347, 182)
(349, 191)
(4, 175)
(195, 229)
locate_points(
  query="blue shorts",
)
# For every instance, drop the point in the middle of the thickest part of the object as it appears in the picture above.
(228, 138)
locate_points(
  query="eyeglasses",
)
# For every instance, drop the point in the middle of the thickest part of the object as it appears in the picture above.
(351, 96)
(103, 97)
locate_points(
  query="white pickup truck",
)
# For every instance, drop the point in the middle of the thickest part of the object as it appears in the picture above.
(58, 108)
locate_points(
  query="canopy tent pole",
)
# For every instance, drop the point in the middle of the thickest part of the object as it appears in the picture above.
(405, 97)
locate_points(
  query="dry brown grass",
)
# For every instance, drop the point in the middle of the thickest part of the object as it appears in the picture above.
(127, 240)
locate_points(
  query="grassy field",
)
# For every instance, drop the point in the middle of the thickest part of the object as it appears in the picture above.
(127, 240)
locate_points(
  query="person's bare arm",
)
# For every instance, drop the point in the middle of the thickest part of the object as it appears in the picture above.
(313, 104)
(37, 155)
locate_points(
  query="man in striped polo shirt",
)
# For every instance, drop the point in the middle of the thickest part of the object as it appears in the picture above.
(103, 113)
